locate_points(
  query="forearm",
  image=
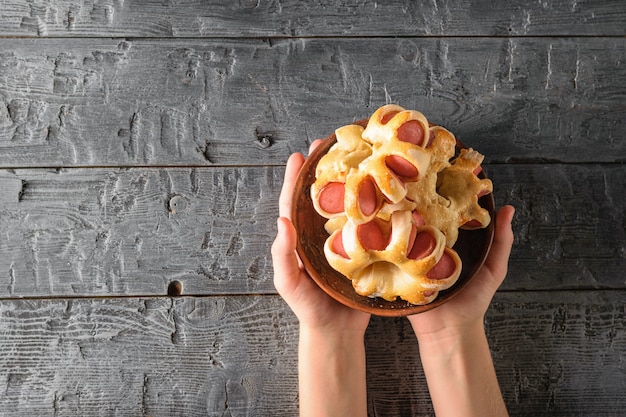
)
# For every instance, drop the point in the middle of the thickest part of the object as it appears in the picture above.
(461, 377)
(331, 370)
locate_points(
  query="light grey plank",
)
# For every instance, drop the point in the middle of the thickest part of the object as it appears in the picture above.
(159, 357)
(104, 232)
(556, 354)
(192, 18)
(90, 102)
(88, 232)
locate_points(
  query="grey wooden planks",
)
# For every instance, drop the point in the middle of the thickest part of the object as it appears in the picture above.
(97, 231)
(554, 329)
(122, 232)
(569, 224)
(157, 356)
(556, 353)
(102, 102)
(142, 142)
(219, 355)
(255, 18)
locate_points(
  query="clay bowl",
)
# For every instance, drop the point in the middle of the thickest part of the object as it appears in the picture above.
(472, 246)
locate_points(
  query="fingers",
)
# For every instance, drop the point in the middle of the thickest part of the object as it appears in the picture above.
(284, 259)
(294, 163)
(498, 258)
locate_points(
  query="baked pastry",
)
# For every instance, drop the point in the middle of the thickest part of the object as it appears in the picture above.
(395, 194)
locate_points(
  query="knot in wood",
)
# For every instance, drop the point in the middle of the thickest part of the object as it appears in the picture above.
(178, 204)
(265, 141)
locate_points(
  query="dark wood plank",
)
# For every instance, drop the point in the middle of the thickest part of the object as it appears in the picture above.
(87, 232)
(556, 354)
(570, 224)
(86, 102)
(192, 18)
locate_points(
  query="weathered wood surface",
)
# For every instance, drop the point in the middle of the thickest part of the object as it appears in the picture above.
(102, 102)
(143, 143)
(558, 354)
(237, 356)
(124, 232)
(148, 357)
(192, 18)
(570, 224)
(82, 232)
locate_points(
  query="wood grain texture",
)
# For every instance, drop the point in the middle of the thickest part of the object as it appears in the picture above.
(107, 231)
(556, 354)
(85, 232)
(252, 18)
(570, 224)
(149, 357)
(238, 356)
(102, 102)
(143, 143)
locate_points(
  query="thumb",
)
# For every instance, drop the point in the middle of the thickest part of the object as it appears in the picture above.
(284, 258)
(498, 259)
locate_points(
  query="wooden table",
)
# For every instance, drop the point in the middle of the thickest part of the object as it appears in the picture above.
(142, 147)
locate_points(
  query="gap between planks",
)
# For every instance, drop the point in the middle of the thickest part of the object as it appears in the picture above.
(269, 294)
(515, 162)
(130, 296)
(313, 37)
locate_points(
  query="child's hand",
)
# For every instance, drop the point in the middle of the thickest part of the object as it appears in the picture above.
(467, 309)
(313, 307)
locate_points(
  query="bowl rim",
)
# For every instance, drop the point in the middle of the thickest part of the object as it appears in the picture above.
(375, 305)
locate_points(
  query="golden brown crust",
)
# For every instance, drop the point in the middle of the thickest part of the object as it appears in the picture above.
(418, 187)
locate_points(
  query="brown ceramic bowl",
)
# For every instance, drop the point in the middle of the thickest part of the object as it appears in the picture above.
(472, 246)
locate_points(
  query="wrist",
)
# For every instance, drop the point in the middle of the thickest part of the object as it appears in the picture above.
(331, 336)
(460, 373)
(331, 370)
(448, 338)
